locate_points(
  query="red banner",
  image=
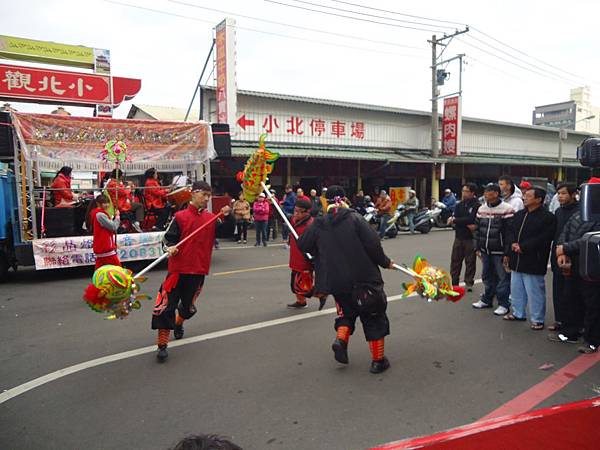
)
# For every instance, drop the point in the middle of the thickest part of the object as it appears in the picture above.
(451, 126)
(21, 83)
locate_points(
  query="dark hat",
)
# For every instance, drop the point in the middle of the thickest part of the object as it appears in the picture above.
(335, 191)
(304, 204)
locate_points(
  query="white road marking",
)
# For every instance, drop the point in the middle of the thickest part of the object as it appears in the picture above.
(53, 376)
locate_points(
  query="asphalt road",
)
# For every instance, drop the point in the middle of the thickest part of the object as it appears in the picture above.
(272, 386)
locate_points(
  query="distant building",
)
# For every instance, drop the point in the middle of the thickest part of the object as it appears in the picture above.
(570, 115)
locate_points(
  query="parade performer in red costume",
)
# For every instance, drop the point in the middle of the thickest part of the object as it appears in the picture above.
(105, 229)
(188, 266)
(302, 279)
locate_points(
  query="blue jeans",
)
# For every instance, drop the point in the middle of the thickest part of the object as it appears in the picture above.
(261, 231)
(285, 231)
(496, 280)
(410, 215)
(383, 224)
(527, 288)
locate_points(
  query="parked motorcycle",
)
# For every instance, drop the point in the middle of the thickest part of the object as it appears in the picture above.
(373, 219)
(440, 215)
(422, 220)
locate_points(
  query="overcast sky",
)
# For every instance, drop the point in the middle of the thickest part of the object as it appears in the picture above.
(374, 63)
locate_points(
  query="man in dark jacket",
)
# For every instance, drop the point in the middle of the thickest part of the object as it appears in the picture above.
(463, 220)
(492, 223)
(347, 255)
(583, 297)
(567, 199)
(530, 237)
(287, 205)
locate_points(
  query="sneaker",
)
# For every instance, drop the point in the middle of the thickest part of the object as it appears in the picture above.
(469, 288)
(481, 305)
(501, 311)
(286, 246)
(340, 351)
(178, 331)
(162, 353)
(257, 244)
(296, 305)
(560, 337)
(239, 241)
(587, 348)
(136, 227)
(264, 244)
(245, 241)
(322, 302)
(379, 366)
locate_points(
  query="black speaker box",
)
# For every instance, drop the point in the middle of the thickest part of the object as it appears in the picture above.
(6, 135)
(59, 221)
(222, 139)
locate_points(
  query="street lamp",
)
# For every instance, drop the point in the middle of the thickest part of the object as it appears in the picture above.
(562, 136)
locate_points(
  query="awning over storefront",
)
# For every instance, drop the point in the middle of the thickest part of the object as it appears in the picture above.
(511, 160)
(362, 155)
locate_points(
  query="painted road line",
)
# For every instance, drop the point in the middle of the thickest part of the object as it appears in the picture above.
(37, 382)
(21, 389)
(252, 269)
(546, 388)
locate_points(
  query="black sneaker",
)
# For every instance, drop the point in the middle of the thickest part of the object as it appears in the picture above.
(379, 366)
(296, 305)
(588, 348)
(178, 331)
(561, 337)
(162, 353)
(340, 351)
(264, 243)
(322, 302)
(470, 288)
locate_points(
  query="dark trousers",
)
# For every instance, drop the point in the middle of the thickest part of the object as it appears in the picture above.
(572, 306)
(591, 319)
(180, 296)
(242, 229)
(162, 216)
(559, 300)
(272, 227)
(285, 231)
(261, 231)
(375, 325)
(463, 250)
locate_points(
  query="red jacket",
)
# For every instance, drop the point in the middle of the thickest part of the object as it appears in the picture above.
(65, 193)
(154, 197)
(298, 262)
(124, 196)
(194, 256)
(261, 210)
(104, 239)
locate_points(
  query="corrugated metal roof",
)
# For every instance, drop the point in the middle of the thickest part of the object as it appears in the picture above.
(168, 113)
(389, 109)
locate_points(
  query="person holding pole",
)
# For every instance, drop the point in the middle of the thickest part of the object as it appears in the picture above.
(348, 254)
(188, 265)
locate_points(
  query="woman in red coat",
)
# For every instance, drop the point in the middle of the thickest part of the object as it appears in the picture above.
(155, 197)
(61, 188)
(302, 278)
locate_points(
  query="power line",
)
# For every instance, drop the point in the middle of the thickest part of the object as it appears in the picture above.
(399, 13)
(287, 36)
(523, 61)
(350, 17)
(316, 30)
(530, 56)
(513, 63)
(485, 43)
(370, 15)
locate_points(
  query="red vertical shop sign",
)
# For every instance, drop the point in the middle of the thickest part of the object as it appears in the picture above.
(226, 83)
(451, 126)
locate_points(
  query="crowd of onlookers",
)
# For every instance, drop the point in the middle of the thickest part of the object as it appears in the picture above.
(514, 231)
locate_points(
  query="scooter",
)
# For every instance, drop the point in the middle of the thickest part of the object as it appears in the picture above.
(373, 219)
(422, 220)
(440, 215)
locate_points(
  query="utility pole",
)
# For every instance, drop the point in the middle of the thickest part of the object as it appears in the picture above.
(435, 151)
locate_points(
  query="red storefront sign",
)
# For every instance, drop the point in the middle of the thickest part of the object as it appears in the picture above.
(451, 126)
(21, 83)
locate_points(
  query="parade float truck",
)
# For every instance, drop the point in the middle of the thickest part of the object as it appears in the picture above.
(36, 232)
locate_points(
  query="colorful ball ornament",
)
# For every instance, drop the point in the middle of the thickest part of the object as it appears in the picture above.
(115, 152)
(113, 291)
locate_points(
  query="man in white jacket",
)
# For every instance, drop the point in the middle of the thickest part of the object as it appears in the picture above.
(511, 194)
